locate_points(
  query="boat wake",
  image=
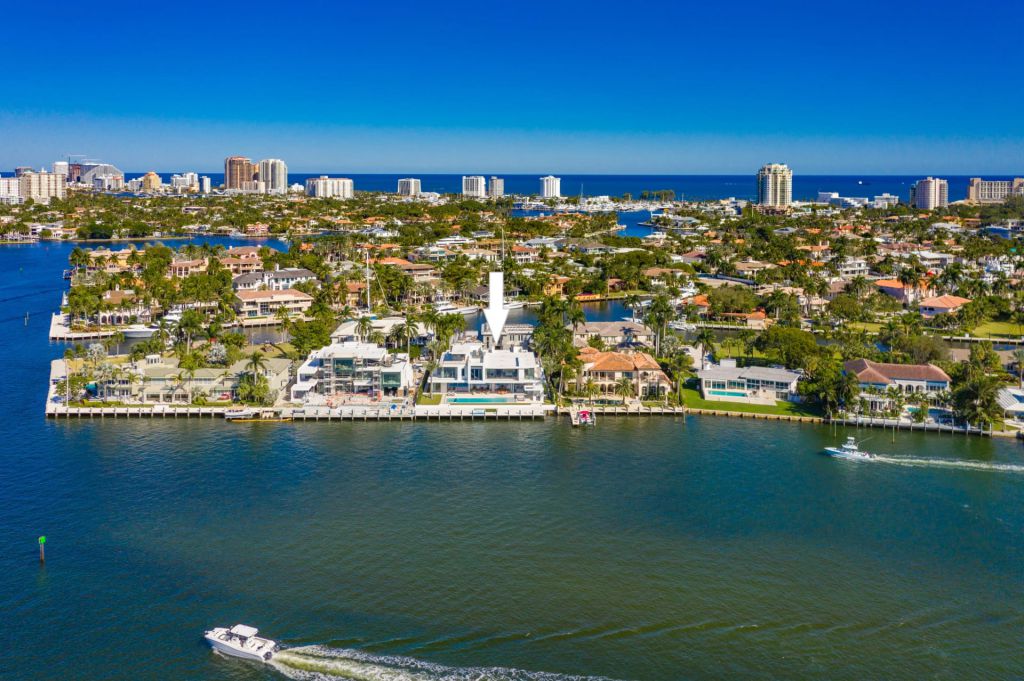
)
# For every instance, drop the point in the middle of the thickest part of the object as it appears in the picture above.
(949, 463)
(321, 663)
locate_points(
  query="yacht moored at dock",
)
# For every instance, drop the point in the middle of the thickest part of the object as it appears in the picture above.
(241, 641)
(240, 414)
(139, 331)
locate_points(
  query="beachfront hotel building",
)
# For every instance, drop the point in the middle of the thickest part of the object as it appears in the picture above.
(775, 185)
(550, 187)
(994, 191)
(353, 368)
(496, 187)
(273, 176)
(409, 186)
(470, 367)
(239, 173)
(324, 187)
(474, 186)
(929, 193)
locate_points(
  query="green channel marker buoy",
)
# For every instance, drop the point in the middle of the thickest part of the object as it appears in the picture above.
(42, 549)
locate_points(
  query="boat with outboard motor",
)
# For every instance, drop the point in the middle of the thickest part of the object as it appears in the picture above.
(241, 641)
(849, 450)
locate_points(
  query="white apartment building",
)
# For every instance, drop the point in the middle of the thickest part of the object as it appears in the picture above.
(994, 191)
(474, 186)
(885, 200)
(471, 367)
(324, 187)
(273, 176)
(775, 185)
(42, 186)
(409, 186)
(60, 168)
(929, 194)
(10, 190)
(185, 182)
(550, 187)
(496, 187)
(204, 184)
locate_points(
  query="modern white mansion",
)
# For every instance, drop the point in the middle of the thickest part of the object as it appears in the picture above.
(471, 367)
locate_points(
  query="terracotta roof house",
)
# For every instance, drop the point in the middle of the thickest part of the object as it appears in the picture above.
(607, 369)
(876, 378)
(946, 304)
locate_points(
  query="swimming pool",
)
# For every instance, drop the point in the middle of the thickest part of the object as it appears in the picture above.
(478, 400)
(727, 393)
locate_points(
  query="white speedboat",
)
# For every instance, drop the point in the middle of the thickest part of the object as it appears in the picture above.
(241, 641)
(139, 331)
(242, 413)
(849, 450)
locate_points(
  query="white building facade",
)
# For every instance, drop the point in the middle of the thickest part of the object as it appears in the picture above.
(409, 186)
(496, 187)
(474, 186)
(42, 186)
(550, 187)
(775, 185)
(273, 176)
(324, 187)
(470, 367)
(929, 194)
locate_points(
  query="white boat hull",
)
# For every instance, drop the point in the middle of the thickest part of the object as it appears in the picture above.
(837, 453)
(246, 647)
(139, 332)
(235, 652)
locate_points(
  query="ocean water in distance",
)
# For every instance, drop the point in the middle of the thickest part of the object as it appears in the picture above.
(690, 187)
(653, 549)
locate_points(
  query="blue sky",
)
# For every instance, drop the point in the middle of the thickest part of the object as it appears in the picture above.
(630, 87)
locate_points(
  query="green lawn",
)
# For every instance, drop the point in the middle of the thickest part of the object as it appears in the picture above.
(997, 329)
(870, 327)
(695, 401)
(429, 399)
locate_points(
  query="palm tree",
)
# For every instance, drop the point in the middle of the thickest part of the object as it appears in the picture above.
(705, 339)
(624, 388)
(401, 334)
(680, 364)
(364, 327)
(257, 363)
(1018, 357)
(191, 325)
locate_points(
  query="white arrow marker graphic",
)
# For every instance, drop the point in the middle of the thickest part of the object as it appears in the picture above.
(495, 313)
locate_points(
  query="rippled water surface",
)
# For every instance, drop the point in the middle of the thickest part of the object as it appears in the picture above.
(652, 549)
